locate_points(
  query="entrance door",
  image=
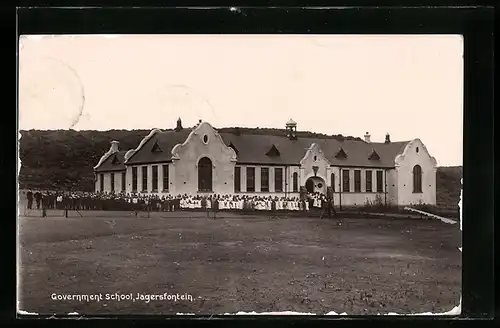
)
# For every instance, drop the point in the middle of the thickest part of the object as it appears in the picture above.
(310, 186)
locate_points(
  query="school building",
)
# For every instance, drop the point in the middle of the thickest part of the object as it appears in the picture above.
(200, 160)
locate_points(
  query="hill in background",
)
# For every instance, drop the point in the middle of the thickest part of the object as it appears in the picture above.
(64, 159)
(448, 185)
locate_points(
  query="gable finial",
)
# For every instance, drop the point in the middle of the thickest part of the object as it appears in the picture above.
(179, 125)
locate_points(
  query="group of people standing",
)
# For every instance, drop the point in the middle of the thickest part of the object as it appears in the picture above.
(103, 201)
(37, 196)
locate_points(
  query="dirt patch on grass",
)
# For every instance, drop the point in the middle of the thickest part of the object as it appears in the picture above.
(235, 264)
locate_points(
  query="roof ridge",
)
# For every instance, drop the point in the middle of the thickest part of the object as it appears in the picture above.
(300, 133)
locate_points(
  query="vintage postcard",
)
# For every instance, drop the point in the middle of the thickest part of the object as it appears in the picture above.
(240, 174)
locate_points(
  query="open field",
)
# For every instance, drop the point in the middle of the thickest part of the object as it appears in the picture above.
(248, 263)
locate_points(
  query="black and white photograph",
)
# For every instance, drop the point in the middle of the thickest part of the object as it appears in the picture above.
(204, 174)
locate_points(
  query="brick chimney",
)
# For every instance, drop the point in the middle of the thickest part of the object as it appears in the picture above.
(114, 146)
(179, 125)
(367, 137)
(387, 138)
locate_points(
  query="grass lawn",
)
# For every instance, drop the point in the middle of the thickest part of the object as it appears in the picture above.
(231, 264)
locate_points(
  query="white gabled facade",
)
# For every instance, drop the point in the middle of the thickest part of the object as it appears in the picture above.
(415, 154)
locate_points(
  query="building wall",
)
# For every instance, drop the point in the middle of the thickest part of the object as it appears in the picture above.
(287, 186)
(404, 167)
(129, 179)
(118, 181)
(345, 198)
(289, 171)
(149, 188)
(107, 181)
(102, 176)
(392, 187)
(352, 198)
(359, 199)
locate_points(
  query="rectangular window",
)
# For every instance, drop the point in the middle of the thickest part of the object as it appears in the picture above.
(165, 177)
(124, 181)
(155, 177)
(237, 179)
(112, 182)
(380, 182)
(332, 182)
(101, 182)
(264, 179)
(295, 182)
(345, 181)
(251, 179)
(357, 180)
(278, 179)
(144, 178)
(134, 179)
(369, 181)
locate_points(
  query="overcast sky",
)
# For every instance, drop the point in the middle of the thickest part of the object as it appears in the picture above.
(409, 86)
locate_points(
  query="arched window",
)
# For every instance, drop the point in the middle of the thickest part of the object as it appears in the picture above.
(417, 178)
(295, 182)
(205, 174)
(332, 181)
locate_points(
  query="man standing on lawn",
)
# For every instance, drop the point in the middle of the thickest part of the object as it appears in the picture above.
(29, 196)
(328, 205)
(38, 199)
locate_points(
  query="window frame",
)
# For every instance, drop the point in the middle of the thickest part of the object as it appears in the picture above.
(165, 177)
(144, 178)
(278, 179)
(295, 182)
(237, 179)
(346, 180)
(250, 179)
(357, 180)
(154, 177)
(369, 181)
(135, 177)
(112, 181)
(264, 177)
(380, 181)
(417, 182)
(124, 181)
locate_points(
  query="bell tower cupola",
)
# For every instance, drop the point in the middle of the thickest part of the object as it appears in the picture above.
(291, 129)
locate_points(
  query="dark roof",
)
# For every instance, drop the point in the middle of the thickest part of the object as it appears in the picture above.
(166, 140)
(253, 149)
(110, 164)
